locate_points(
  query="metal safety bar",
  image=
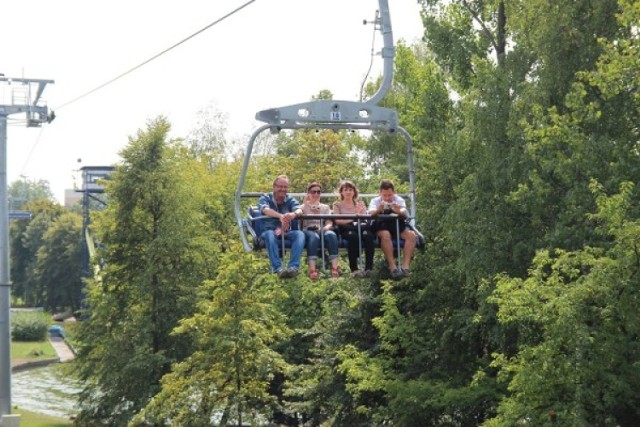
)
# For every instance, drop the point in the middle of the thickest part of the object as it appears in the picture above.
(356, 217)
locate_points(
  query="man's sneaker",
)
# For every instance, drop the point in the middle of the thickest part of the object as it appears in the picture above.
(313, 274)
(367, 273)
(292, 272)
(405, 272)
(282, 273)
(357, 274)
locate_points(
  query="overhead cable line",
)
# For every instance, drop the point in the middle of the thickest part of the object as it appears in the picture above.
(33, 147)
(157, 55)
(373, 45)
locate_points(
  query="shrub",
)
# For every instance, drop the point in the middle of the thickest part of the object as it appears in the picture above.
(29, 326)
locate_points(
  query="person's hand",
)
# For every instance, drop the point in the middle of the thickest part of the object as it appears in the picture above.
(286, 221)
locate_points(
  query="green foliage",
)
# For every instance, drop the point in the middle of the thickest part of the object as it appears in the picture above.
(419, 403)
(228, 374)
(58, 267)
(450, 34)
(24, 191)
(157, 250)
(32, 419)
(331, 382)
(26, 238)
(29, 325)
(582, 365)
(324, 156)
(507, 174)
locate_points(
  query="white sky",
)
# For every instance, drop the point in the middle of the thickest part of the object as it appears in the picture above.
(272, 53)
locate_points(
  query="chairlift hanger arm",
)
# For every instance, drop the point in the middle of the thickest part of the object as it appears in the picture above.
(330, 112)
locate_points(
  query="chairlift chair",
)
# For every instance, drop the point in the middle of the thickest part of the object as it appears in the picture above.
(329, 114)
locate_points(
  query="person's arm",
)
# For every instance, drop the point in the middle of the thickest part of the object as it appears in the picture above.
(294, 209)
(269, 211)
(375, 207)
(337, 211)
(328, 223)
(266, 209)
(399, 207)
(264, 206)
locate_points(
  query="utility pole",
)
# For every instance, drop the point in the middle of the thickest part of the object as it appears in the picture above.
(23, 100)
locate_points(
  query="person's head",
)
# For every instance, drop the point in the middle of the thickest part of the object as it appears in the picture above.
(281, 186)
(314, 190)
(348, 187)
(387, 190)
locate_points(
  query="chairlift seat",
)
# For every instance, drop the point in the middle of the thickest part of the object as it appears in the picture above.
(255, 227)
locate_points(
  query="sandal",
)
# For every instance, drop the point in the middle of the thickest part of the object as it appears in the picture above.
(335, 272)
(313, 274)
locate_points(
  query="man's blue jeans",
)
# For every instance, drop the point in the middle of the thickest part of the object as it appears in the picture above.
(274, 244)
(313, 243)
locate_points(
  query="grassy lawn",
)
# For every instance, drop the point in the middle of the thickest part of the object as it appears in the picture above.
(31, 351)
(31, 419)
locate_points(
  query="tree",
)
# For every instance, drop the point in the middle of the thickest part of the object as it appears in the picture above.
(58, 268)
(24, 191)
(572, 308)
(26, 239)
(158, 247)
(324, 156)
(579, 366)
(227, 376)
(337, 377)
(208, 141)
(493, 194)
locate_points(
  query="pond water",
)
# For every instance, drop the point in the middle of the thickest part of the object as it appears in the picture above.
(47, 390)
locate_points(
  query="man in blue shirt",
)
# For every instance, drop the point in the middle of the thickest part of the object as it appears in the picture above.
(282, 209)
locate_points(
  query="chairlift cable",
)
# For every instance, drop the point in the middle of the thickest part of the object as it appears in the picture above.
(373, 44)
(156, 56)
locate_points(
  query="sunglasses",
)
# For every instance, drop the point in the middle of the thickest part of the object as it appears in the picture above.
(315, 192)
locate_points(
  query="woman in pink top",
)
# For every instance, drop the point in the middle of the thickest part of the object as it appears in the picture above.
(348, 229)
